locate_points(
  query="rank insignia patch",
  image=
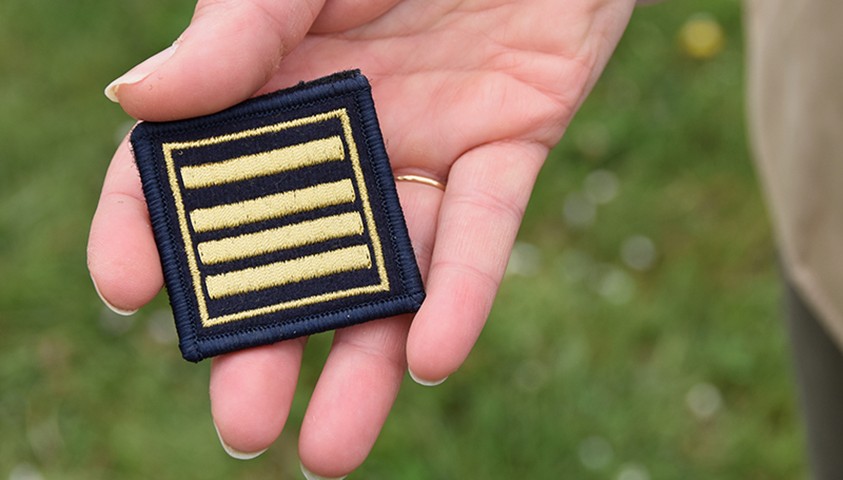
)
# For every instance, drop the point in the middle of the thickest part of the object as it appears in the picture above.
(277, 218)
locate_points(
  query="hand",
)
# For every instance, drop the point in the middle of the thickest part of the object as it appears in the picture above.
(470, 93)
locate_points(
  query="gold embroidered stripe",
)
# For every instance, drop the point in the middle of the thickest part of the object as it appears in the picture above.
(272, 206)
(264, 163)
(272, 240)
(290, 271)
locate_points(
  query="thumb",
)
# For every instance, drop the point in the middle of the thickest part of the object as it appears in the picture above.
(229, 51)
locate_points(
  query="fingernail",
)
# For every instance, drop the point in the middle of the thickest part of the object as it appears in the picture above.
(118, 311)
(312, 476)
(139, 72)
(426, 383)
(233, 452)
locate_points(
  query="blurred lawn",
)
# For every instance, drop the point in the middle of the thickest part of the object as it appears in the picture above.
(637, 336)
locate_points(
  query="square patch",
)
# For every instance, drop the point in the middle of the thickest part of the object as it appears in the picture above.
(277, 218)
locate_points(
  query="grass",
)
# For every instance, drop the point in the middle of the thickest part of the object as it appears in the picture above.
(596, 364)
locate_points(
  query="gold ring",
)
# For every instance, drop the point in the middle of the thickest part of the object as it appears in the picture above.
(420, 179)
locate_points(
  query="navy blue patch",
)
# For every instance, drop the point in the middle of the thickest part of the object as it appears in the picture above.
(277, 218)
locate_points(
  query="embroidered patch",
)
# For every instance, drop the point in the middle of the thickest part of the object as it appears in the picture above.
(277, 218)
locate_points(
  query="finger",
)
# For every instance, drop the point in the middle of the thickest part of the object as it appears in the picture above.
(251, 394)
(122, 257)
(367, 362)
(488, 189)
(355, 392)
(229, 51)
(341, 15)
(420, 204)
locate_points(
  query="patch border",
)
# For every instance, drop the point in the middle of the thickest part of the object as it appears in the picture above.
(347, 90)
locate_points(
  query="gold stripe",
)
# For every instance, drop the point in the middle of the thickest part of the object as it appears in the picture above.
(192, 264)
(364, 198)
(264, 163)
(272, 240)
(290, 271)
(254, 132)
(300, 302)
(272, 206)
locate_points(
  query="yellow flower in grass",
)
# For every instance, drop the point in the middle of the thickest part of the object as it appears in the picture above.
(701, 37)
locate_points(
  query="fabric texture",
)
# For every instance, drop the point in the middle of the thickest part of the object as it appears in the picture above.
(795, 73)
(277, 218)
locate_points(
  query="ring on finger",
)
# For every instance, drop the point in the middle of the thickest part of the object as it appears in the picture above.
(422, 180)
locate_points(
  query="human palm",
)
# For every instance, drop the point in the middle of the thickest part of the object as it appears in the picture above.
(469, 93)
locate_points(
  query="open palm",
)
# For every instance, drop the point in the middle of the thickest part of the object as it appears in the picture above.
(469, 93)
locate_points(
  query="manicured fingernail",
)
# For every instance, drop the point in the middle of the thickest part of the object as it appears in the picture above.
(138, 73)
(118, 311)
(312, 476)
(426, 383)
(233, 452)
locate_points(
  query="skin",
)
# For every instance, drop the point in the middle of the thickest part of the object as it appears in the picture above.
(471, 93)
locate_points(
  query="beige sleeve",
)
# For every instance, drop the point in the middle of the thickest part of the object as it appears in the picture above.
(795, 106)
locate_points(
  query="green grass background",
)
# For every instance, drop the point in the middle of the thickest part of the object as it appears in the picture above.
(588, 368)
